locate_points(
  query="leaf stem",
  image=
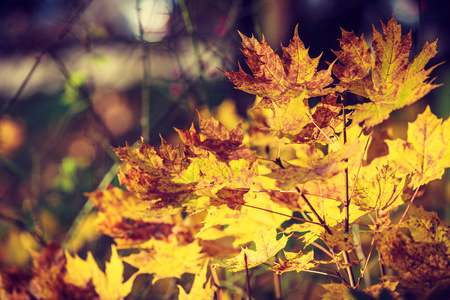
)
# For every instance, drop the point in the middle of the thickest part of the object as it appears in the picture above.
(247, 278)
(145, 100)
(322, 222)
(351, 276)
(67, 28)
(217, 283)
(409, 205)
(277, 284)
(281, 214)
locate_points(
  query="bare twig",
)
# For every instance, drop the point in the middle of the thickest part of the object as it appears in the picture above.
(409, 205)
(351, 276)
(217, 283)
(8, 105)
(145, 106)
(247, 278)
(322, 222)
(277, 284)
(37, 235)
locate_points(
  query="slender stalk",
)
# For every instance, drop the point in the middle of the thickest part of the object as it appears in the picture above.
(363, 271)
(145, 106)
(8, 104)
(247, 278)
(87, 208)
(217, 283)
(321, 221)
(281, 214)
(351, 276)
(190, 30)
(409, 205)
(277, 284)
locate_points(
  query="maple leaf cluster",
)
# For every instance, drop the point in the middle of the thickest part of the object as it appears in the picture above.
(296, 173)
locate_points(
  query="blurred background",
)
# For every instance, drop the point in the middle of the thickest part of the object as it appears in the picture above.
(80, 76)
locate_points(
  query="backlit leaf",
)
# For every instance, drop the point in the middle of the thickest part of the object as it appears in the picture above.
(426, 153)
(295, 262)
(168, 259)
(266, 246)
(388, 79)
(276, 79)
(201, 288)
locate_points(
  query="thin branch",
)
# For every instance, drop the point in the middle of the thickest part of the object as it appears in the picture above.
(351, 276)
(367, 261)
(323, 133)
(37, 235)
(217, 283)
(247, 278)
(87, 208)
(277, 284)
(409, 205)
(278, 213)
(145, 90)
(8, 105)
(322, 222)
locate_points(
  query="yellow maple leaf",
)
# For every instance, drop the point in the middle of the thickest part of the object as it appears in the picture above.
(109, 285)
(388, 79)
(201, 287)
(168, 259)
(295, 262)
(426, 153)
(266, 246)
(384, 191)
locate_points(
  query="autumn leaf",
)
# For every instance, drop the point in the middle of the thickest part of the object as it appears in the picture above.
(384, 191)
(342, 291)
(278, 79)
(201, 287)
(337, 239)
(421, 259)
(295, 262)
(149, 174)
(320, 168)
(47, 279)
(266, 246)
(426, 153)
(108, 284)
(129, 220)
(389, 80)
(301, 124)
(168, 259)
(215, 138)
(324, 122)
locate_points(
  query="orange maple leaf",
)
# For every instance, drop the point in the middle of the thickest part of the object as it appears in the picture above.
(278, 79)
(225, 145)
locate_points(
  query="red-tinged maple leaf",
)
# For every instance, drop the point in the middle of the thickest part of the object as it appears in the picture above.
(278, 79)
(421, 257)
(388, 78)
(323, 123)
(225, 145)
(150, 173)
(231, 197)
(47, 279)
